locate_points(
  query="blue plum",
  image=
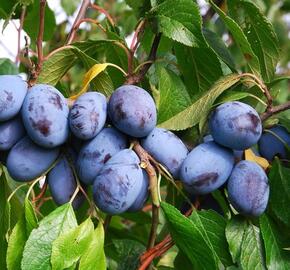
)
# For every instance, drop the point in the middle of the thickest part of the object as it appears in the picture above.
(206, 168)
(235, 125)
(45, 116)
(271, 146)
(11, 132)
(119, 183)
(12, 93)
(248, 188)
(132, 110)
(142, 196)
(88, 115)
(27, 161)
(62, 184)
(166, 148)
(95, 153)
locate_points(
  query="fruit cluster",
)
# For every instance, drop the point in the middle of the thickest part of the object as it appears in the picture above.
(40, 134)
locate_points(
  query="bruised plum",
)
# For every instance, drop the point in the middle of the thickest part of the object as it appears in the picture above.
(88, 115)
(12, 93)
(95, 153)
(11, 132)
(271, 146)
(27, 161)
(62, 184)
(45, 116)
(235, 125)
(206, 168)
(248, 188)
(119, 183)
(166, 148)
(132, 110)
(142, 196)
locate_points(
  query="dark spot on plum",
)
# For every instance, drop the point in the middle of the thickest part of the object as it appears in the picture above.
(254, 119)
(123, 186)
(106, 158)
(9, 97)
(206, 179)
(43, 126)
(91, 155)
(30, 107)
(174, 162)
(142, 122)
(55, 100)
(123, 204)
(185, 169)
(246, 122)
(79, 125)
(120, 114)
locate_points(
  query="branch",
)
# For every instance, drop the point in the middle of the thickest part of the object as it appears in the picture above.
(274, 110)
(139, 76)
(40, 35)
(19, 29)
(101, 10)
(81, 14)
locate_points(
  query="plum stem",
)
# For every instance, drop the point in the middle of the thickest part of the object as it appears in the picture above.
(40, 35)
(274, 110)
(19, 29)
(41, 193)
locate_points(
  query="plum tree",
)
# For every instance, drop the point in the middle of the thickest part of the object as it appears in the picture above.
(62, 184)
(119, 182)
(142, 196)
(235, 125)
(248, 188)
(166, 148)
(11, 132)
(88, 115)
(45, 112)
(132, 110)
(206, 168)
(27, 161)
(95, 153)
(271, 146)
(12, 93)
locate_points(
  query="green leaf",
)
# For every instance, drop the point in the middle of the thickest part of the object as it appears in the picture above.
(213, 227)
(140, 7)
(190, 238)
(16, 245)
(180, 20)
(38, 248)
(69, 247)
(70, 6)
(30, 216)
(201, 107)
(94, 257)
(240, 39)
(285, 122)
(260, 33)
(198, 74)
(219, 47)
(173, 95)
(7, 67)
(276, 257)
(230, 96)
(279, 180)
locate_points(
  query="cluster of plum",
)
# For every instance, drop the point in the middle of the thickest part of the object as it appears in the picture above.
(40, 134)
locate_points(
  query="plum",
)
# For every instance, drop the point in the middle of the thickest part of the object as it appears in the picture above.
(88, 115)
(271, 146)
(11, 132)
(45, 116)
(142, 196)
(95, 153)
(62, 184)
(235, 125)
(12, 93)
(248, 188)
(27, 161)
(132, 110)
(206, 168)
(119, 183)
(166, 148)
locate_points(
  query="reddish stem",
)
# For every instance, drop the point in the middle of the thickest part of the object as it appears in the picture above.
(19, 29)
(101, 10)
(40, 35)
(42, 192)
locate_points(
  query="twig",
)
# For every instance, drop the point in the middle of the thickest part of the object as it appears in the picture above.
(41, 193)
(274, 110)
(81, 14)
(138, 77)
(101, 10)
(19, 29)
(40, 36)
(89, 20)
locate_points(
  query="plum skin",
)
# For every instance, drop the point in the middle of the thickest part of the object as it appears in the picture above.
(270, 146)
(27, 161)
(88, 115)
(132, 110)
(235, 125)
(62, 184)
(12, 93)
(45, 116)
(119, 183)
(11, 132)
(248, 188)
(206, 168)
(166, 148)
(96, 152)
